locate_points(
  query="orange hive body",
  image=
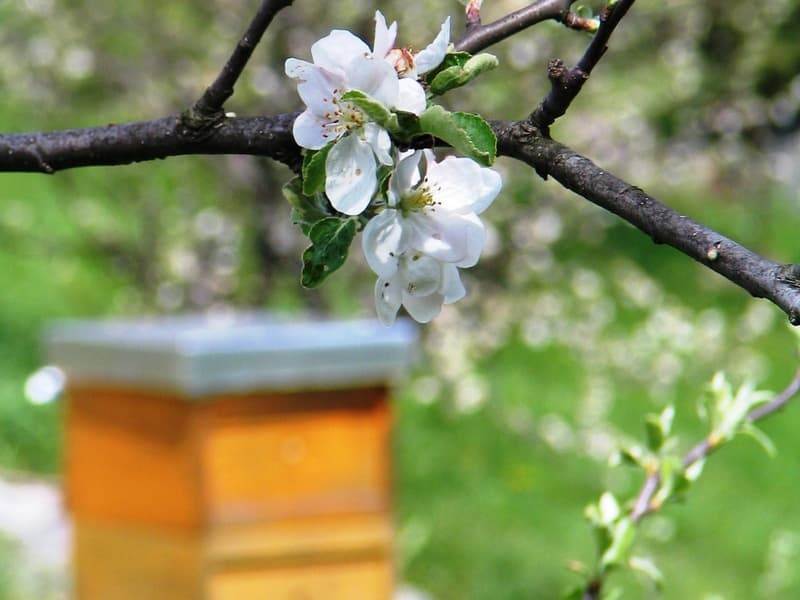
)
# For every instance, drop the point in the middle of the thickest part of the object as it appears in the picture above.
(189, 482)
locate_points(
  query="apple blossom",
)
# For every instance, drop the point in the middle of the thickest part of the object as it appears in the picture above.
(436, 214)
(420, 283)
(410, 66)
(429, 228)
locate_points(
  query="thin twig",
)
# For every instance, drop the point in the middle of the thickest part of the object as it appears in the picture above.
(565, 84)
(211, 102)
(643, 505)
(479, 38)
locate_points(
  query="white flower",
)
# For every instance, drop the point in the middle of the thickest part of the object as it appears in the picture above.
(429, 229)
(342, 62)
(421, 284)
(410, 66)
(436, 215)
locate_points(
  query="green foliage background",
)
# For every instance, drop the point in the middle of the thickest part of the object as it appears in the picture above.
(575, 327)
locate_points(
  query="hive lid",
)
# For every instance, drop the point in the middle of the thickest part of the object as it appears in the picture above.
(199, 355)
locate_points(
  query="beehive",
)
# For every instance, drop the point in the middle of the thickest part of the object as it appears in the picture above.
(234, 459)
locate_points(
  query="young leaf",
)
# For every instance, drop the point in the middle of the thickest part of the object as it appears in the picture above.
(622, 538)
(374, 109)
(330, 241)
(468, 134)
(306, 210)
(314, 170)
(655, 434)
(451, 59)
(459, 75)
(761, 438)
(648, 568)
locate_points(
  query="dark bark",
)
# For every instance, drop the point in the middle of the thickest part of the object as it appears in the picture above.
(761, 277)
(565, 84)
(483, 36)
(272, 137)
(147, 140)
(209, 106)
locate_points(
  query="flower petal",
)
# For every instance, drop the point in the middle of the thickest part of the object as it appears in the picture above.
(452, 289)
(405, 176)
(462, 185)
(453, 238)
(378, 138)
(350, 169)
(315, 85)
(411, 96)
(375, 77)
(432, 56)
(423, 308)
(383, 242)
(309, 131)
(384, 36)
(388, 297)
(420, 275)
(337, 50)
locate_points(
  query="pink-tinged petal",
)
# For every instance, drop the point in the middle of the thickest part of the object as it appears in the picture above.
(462, 185)
(383, 242)
(337, 49)
(317, 87)
(421, 275)
(377, 137)
(350, 181)
(432, 56)
(388, 297)
(384, 36)
(452, 289)
(411, 96)
(405, 176)
(375, 77)
(423, 308)
(309, 131)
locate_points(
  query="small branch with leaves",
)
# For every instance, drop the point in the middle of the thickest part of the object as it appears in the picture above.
(668, 476)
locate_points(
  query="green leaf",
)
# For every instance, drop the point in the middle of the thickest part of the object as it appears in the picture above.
(622, 538)
(575, 593)
(693, 471)
(761, 438)
(468, 134)
(330, 241)
(648, 568)
(306, 210)
(314, 170)
(451, 59)
(461, 74)
(376, 111)
(655, 434)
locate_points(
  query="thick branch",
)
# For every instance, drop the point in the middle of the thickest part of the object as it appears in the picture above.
(211, 102)
(147, 140)
(761, 277)
(567, 83)
(272, 137)
(483, 36)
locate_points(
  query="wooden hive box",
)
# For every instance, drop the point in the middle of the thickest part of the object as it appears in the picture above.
(230, 460)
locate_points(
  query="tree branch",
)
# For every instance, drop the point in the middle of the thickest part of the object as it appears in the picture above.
(643, 505)
(761, 277)
(210, 104)
(565, 84)
(147, 140)
(272, 137)
(483, 36)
